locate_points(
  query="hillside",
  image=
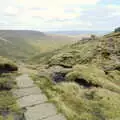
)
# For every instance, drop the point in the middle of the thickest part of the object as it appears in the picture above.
(84, 51)
(9, 109)
(15, 44)
(21, 34)
(22, 44)
(83, 79)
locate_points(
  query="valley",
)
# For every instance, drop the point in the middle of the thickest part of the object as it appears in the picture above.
(79, 75)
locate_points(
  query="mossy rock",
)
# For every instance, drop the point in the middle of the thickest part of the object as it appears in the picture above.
(7, 65)
(63, 59)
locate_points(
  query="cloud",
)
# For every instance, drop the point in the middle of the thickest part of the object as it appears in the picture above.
(105, 17)
(59, 14)
(11, 10)
(47, 9)
(53, 3)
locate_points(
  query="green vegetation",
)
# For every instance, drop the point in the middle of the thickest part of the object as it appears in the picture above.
(82, 79)
(117, 29)
(78, 103)
(92, 77)
(90, 89)
(14, 46)
(8, 106)
(103, 52)
(21, 45)
(50, 45)
(7, 65)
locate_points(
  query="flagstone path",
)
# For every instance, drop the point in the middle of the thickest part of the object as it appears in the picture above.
(35, 103)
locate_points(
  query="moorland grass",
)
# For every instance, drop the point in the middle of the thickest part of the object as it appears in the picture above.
(77, 103)
(91, 90)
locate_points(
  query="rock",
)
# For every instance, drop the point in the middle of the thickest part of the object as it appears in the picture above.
(58, 73)
(40, 112)
(31, 100)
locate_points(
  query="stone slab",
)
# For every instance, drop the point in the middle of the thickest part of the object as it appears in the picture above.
(26, 91)
(31, 100)
(40, 112)
(24, 81)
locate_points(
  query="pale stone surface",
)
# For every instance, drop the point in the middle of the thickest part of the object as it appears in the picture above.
(40, 112)
(24, 81)
(56, 117)
(34, 101)
(26, 91)
(31, 100)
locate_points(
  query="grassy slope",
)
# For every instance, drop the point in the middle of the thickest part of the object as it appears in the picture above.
(15, 44)
(24, 44)
(95, 63)
(8, 106)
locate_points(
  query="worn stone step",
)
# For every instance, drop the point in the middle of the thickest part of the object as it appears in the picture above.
(24, 82)
(40, 112)
(31, 100)
(26, 91)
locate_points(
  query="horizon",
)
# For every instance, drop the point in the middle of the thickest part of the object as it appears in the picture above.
(64, 32)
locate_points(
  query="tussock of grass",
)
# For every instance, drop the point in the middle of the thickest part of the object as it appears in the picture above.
(78, 103)
(92, 74)
(7, 65)
(8, 107)
(6, 83)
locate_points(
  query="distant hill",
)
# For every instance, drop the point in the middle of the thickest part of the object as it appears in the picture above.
(21, 44)
(79, 32)
(21, 34)
(15, 43)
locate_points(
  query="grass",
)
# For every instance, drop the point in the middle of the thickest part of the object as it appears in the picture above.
(78, 103)
(92, 75)
(22, 45)
(103, 51)
(7, 66)
(8, 107)
(49, 45)
(7, 101)
(90, 90)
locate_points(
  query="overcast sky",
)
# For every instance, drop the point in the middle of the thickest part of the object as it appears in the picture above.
(46, 15)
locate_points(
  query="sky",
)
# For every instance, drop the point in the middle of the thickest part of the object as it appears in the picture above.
(58, 15)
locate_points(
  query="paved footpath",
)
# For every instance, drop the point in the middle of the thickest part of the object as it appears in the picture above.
(31, 98)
